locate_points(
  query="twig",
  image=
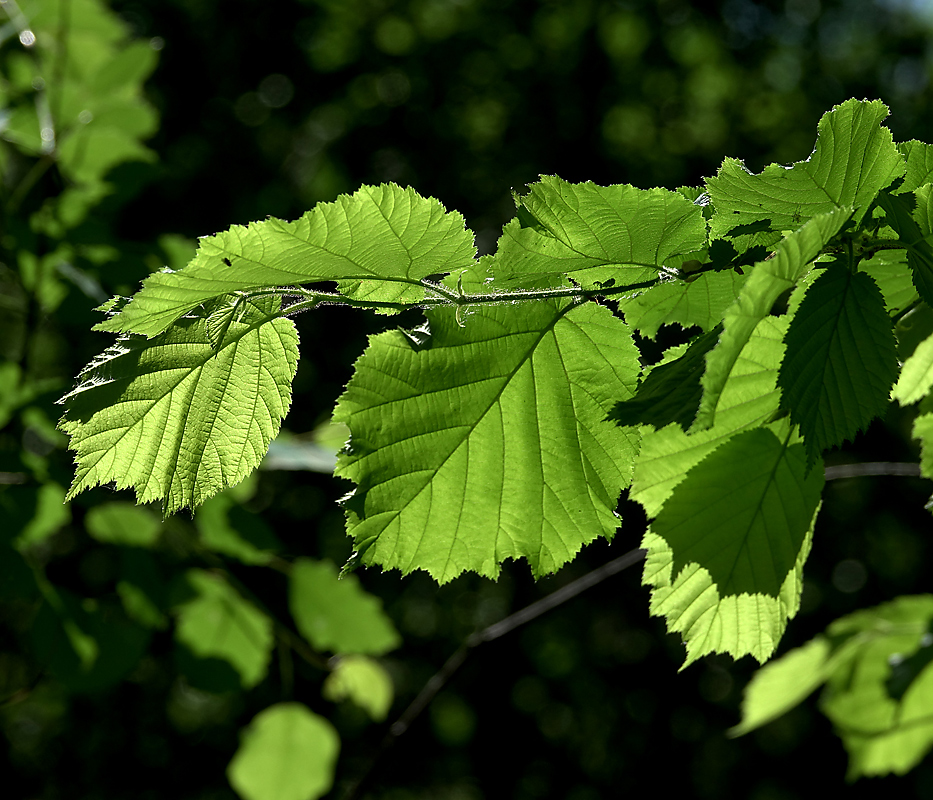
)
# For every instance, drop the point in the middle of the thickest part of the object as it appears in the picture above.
(488, 634)
(872, 468)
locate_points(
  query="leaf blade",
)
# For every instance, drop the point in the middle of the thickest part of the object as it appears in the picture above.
(378, 243)
(176, 420)
(442, 425)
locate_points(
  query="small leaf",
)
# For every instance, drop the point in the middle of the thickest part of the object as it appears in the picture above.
(919, 158)
(363, 681)
(337, 614)
(227, 528)
(123, 523)
(916, 375)
(286, 753)
(782, 684)
(595, 233)
(219, 623)
(701, 301)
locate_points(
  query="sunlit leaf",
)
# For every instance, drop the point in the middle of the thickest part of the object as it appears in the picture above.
(378, 242)
(477, 444)
(853, 159)
(176, 419)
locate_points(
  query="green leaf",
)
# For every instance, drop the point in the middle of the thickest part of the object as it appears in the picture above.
(768, 281)
(749, 399)
(782, 684)
(841, 359)
(709, 622)
(219, 623)
(379, 242)
(916, 377)
(473, 445)
(176, 419)
(911, 217)
(919, 158)
(123, 523)
(889, 269)
(617, 234)
(879, 685)
(742, 513)
(853, 159)
(699, 301)
(227, 528)
(363, 681)
(337, 614)
(923, 430)
(881, 733)
(286, 753)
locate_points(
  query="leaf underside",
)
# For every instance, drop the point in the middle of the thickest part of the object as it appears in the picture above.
(473, 445)
(177, 419)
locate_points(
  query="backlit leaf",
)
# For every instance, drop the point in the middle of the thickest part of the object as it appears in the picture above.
(477, 444)
(378, 243)
(853, 159)
(596, 233)
(177, 419)
(768, 281)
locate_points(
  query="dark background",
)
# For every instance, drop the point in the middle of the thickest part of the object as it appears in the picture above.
(269, 107)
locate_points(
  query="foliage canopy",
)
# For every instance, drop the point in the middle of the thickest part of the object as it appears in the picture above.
(508, 423)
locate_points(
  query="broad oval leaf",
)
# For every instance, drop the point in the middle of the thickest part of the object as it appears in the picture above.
(218, 623)
(477, 444)
(336, 614)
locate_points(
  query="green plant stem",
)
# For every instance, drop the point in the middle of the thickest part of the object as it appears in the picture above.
(446, 298)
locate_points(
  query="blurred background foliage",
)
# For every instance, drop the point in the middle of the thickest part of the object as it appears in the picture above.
(154, 123)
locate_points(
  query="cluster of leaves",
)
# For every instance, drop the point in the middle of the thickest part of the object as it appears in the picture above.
(508, 424)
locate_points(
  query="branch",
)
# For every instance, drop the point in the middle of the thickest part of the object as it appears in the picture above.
(444, 296)
(872, 468)
(488, 634)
